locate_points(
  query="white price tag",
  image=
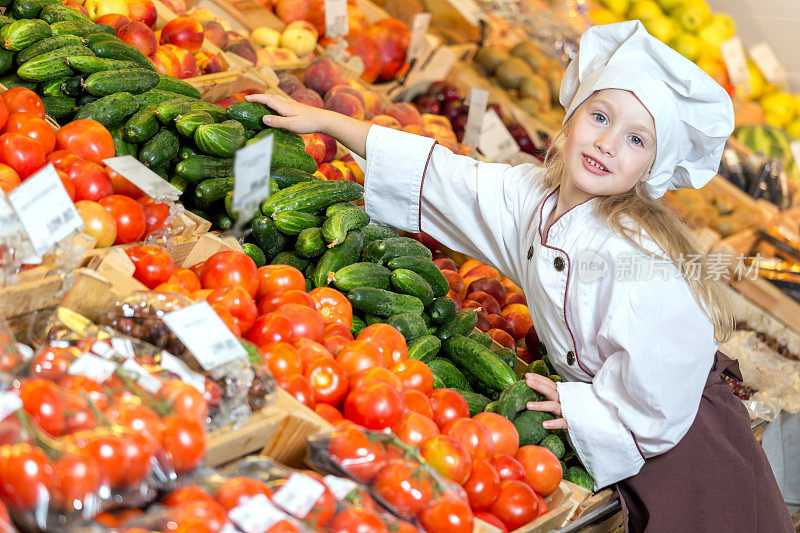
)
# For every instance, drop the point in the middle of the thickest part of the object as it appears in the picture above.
(147, 381)
(256, 514)
(298, 495)
(123, 347)
(148, 181)
(205, 334)
(170, 363)
(45, 209)
(251, 167)
(768, 64)
(794, 147)
(735, 61)
(93, 367)
(336, 23)
(9, 403)
(419, 27)
(478, 99)
(469, 9)
(340, 487)
(9, 222)
(496, 142)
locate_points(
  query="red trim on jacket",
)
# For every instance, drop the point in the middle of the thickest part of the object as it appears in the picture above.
(422, 183)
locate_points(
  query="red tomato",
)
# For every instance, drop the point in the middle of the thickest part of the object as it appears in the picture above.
(405, 485)
(333, 306)
(309, 349)
(200, 516)
(186, 279)
(153, 265)
(51, 363)
(414, 375)
(414, 400)
(237, 490)
(375, 375)
(516, 504)
(504, 434)
(447, 405)
(542, 469)
(292, 296)
(507, 467)
(129, 216)
(483, 485)
(275, 279)
(306, 322)
(43, 401)
(62, 159)
(298, 386)
(268, 328)
(357, 520)
(143, 419)
(377, 406)
(448, 457)
(3, 118)
(414, 428)
(19, 99)
(446, 516)
(21, 153)
(230, 268)
(184, 440)
(31, 125)
(137, 452)
(356, 356)
(329, 413)
(473, 435)
(9, 179)
(221, 311)
(238, 302)
(490, 519)
(108, 452)
(86, 138)
(389, 341)
(155, 213)
(336, 329)
(328, 379)
(86, 387)
(91, 182)
(282, 360)
(25, 475)
(335, 343)
(184, 400)
(356, 453)
(187, 494)
(99, 222)
(542, 504)
(123, 186)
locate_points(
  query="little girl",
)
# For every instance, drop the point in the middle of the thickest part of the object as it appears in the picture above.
(607, 271)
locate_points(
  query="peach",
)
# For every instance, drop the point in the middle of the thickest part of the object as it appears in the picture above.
(244, 50)
(299, 36)
(515, 298)
(454, 146)
(274, 57)
(486, 300)
(323, 74)
(358, 174)
(314, 146)
(345, 169)
(456, 283)
(396, 27)
(362, 45)
(79, 8)
(346, 104)
(498, 322)
(139, 35)
(532, 343)
(215, 33)
(143, 11)
(468, 265)
(289, 83)
(178, 6)
(503, 338)
(524, 354)
(483, 320)
(328, 172)
(208, 63)
(428, 119)
(265, 37)
(343, 88)
(391, 49)
(356, 19)
(520, 322)
(234, 37)
(446, 263)
(330, 147)
(183, 32)
(490, 286)
(202, 14)
(98, 8)
(311, 10)
(188, 64)
(416, 129)
(115, 20)
(483, 271)
(387, 121)
(405, 113)
(308, 97)
(372, 102)
(510, 286)
(515, 308)
(166, 62)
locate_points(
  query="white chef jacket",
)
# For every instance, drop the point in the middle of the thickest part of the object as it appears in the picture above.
(634, 353)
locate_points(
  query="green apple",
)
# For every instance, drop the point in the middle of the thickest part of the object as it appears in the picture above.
(692, 14)
(669, 5)
(711, 34)
(687, 45)
(645, 9)
(662, 28)
(725, 23)
(619, 7)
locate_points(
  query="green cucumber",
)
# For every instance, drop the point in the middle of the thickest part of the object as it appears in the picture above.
(409, 282)
(211, 191)
(6, 61)
(384, 303)
(310, 243)
(170, 110)
(311, 196)
(221, 220)
(385, 250)
(293, 222)
(442, 310)
(29, 9)
(153, 96)
(342, 221)
(462, 323)
(56, 13)
(358, 326)
(267, 237)
(110, 110)
(362, 275)
(51, 65)
(142, 125)
(174, 85)
(186, 151)
(438, 383)
(159, 149)
(188, 123)
(95, 36)
(23, 33)
(52, 87)
(94, 64)
(197, 168)
(491, 407)
(291, 259)
(80, 28)
(411, 325)
(424, 348)
(121, 146)
(529, 426)
(12, 80)
(514, 399)
(47, 45)
(338, 257)
(255, 253)
(291, 176)
(478, 363)
(482, 337)
(116, 49)
(134, 81)
(59, 107)
(249, 114)
(425, 268)
(221, 140)
(450, 375)
(553, 443)
(508, 355)
(72, 86)
(288, 156)
(477, 402)
(373, 232)
(538, 367)
(580, 477)
(281, 136)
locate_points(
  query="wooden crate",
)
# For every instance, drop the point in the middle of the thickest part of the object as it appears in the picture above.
(228, 444)
(223, 84)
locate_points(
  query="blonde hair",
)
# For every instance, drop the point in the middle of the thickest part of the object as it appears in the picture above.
(665, 227)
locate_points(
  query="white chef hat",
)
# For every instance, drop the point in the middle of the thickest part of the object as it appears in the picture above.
(693, 114)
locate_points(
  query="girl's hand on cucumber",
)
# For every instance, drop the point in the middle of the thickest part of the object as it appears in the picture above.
(547, 388)
(292, 115)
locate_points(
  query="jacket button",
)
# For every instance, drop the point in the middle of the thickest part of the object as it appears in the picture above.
(570, 358)
(530, 253)
(558, 263)
(542, 349)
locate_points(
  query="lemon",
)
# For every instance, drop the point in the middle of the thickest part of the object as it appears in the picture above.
(645, 9)
(779, 108)
(619, 7)
(662, 28)
(687, 45)
(692, 14)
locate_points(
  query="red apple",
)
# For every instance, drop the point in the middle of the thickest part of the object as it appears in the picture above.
(183, 32)
(139, 35)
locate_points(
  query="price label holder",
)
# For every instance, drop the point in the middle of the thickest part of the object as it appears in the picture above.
(93, 367)
(419, 27)
(496, 143)
(205, 334)
(170, 363)
(339, 486)
(9, 403)
(469, 9)
(251, 168)
(148, 181)
(735, 61)
(141, 376)
(45, 209)
(478, 100)
(299, 494)
(256, 514)
(768, 64)
(336, 23)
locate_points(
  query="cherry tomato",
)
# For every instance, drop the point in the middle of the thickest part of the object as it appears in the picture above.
(5, 519)
(91, 181)
(87, 387)
(138, 451)
(155, 213)
(490, 519)
(230, 268)
(31, 125)
(483, 485)
(51, 363)
(20, 99)
(377, 406)
(356, 356)
(357, 520)
(356, 453)
(333, 306)
(292, 296)
(187, 494)
(282, 360)
(448, 456)
(306, 322)
(414, 428)
(142, 419)
(446, 516)
(447, 405)
(238, 302)
(331, 414)
(405, 485)
(298, 386)
(43, 401)
(507, 467)
(473, 435)
(86, 138)
(153, 265)
(67, 184)
(505, 436)
(9, 178)
(328, 379)
(275, 279)
(325, 506)
(272, 327)
(108, 452)
(80, 415)
(99, 222)
(184, 400)
(186, 279)
(414, 375)
(129, 216)
(237, 490)
(184, 440)
(389, 341)
(414, 400)
(25, 475)
(542, 469)
(516, 504)
(21, 153)
(194, 516)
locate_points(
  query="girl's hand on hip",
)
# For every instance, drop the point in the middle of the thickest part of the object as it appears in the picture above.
(547, 388)
(292, 115)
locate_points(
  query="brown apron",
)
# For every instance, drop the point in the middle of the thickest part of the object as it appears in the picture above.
(716, 478)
